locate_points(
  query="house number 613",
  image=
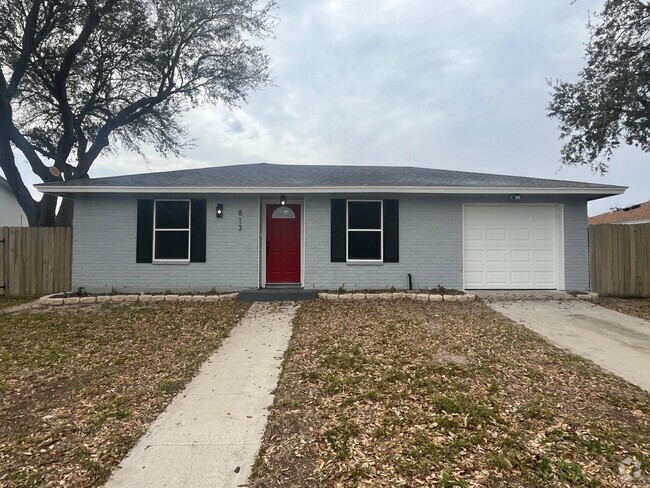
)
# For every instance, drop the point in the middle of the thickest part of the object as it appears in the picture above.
(240, 224)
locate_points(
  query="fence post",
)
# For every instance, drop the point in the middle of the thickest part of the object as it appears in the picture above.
(3, 274)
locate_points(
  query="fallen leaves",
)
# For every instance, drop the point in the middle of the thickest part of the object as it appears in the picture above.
(410, 394)
(637, 307)
(79, 387)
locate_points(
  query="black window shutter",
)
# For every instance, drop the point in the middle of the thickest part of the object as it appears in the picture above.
(197, 239)
(144, 238)
(391, 231)
(338, 231)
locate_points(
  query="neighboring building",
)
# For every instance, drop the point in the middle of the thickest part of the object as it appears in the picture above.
(635, 214)
(11, 214)
(323, 227)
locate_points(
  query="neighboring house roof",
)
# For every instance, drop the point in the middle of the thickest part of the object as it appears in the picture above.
(638, 213)
(255, 178)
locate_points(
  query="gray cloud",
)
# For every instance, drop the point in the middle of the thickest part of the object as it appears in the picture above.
(457, 85)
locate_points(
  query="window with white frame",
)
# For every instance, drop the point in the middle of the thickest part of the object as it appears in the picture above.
(365, 230)
(171, 230)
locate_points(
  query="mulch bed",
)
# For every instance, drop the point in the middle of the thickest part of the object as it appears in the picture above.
(637, 307)
(445, 394)
(79, 386)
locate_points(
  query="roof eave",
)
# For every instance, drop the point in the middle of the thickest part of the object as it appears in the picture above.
(69, 189)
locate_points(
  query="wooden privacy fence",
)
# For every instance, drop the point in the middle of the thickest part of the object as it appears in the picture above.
(35, 260)
(619, 259)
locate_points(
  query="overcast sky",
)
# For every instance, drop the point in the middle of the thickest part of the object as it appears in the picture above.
(456, 85)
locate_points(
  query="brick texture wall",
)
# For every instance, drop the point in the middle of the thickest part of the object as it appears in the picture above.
(105, 238)
(430, 245)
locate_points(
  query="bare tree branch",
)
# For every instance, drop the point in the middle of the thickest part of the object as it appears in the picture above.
(87, 77)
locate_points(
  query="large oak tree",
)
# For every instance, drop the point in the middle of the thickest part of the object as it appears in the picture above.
(610, 102)
(81, 77)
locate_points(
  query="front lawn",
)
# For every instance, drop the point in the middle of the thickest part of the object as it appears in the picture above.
(6, 302)
(637, 307)
(79, 386)
(448, 394)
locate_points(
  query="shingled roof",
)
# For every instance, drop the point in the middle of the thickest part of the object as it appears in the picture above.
(269, 177)
(633, 213)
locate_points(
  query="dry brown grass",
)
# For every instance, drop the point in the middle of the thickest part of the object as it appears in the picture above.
(447, 394)
(12, 302)
(79, 386)
(637, 307)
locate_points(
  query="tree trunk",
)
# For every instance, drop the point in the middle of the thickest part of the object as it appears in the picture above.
(39, 213)
(65, 213)
(25, 200)
(46, 212)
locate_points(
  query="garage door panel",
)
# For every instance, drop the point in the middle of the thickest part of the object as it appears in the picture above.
(473, 278)
(473, 256)
(544, 234)
(495, 234)
(519, 234)
(521, 277)
(545, 277)
(511, 246)
(520, 256)
(473, 234)
(497, 277)
(496, 256)
(544, 256)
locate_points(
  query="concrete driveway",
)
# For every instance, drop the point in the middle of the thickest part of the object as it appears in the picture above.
(617, 342)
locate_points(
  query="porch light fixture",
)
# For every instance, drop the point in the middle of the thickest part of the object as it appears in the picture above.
(219, 210)
(283, 200)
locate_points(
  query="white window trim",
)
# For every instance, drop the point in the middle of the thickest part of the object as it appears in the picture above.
(380, 230)
(188, 230)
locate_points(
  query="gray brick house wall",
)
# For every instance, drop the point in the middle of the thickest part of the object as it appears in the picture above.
(430, 230)
(430, 244)
(104, 243)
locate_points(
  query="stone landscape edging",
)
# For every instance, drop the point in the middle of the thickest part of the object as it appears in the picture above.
(143, 298)
(591, 295)
(53, 300)
(423, 297)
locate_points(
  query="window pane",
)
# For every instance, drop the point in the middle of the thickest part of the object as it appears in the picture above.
(364, 245)
(172, 244)
(172, 215)
(364, 215)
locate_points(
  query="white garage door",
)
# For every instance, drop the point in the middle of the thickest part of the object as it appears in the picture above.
(511, 246)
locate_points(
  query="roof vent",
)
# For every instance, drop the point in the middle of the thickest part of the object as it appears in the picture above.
(627, 209)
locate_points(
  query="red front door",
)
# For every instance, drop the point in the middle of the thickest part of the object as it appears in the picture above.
(283, 244)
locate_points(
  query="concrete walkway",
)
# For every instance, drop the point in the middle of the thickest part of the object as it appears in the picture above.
(619, 343)
(210, 433)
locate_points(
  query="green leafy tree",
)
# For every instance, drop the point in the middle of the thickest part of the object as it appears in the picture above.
(83, 77)
(610, 102)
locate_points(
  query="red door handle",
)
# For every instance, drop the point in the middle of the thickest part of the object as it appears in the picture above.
(268, 246)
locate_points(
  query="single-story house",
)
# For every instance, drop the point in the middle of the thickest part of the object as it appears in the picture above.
(11, 213)
(324, 227)
(634, 214)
